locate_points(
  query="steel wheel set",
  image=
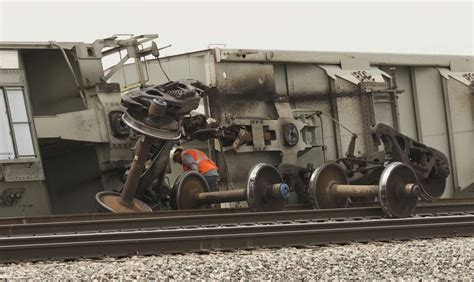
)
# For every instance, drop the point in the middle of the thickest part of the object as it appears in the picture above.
(397, 191)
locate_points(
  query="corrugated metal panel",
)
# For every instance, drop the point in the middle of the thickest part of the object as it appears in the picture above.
(459, 111)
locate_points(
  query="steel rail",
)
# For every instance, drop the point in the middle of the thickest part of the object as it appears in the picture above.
(127, 222)
(215, 230)
(169, 213)
(162, 213)
(145, 242)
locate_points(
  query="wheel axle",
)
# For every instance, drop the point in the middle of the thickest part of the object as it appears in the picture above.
(265, 191)
(372, 191)
(125, 201)
(397, 191)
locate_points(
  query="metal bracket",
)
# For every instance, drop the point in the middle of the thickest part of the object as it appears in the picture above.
(355, 76)
(466, 78)
(258, 135)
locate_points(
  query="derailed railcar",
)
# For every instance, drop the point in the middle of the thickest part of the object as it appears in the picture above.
(64, 139)
(428, 98)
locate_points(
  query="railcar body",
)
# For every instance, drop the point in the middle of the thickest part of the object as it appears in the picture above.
(62, 138)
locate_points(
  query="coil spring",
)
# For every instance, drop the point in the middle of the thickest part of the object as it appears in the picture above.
(178, 93)
(422, 160)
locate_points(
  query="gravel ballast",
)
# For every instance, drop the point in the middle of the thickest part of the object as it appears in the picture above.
(451, 258)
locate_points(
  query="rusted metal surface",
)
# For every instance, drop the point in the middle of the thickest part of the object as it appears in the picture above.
(111, 202)
(207, 198)
(366, 191)
(138, 164)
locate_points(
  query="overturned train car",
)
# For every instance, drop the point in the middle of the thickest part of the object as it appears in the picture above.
(301, 109)
(63, 138)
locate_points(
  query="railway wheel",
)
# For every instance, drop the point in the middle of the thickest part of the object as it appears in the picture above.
(398, 190)
(321, 181)
(186, 186)
(263, 180)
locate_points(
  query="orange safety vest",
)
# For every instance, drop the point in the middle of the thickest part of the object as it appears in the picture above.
(203, 162)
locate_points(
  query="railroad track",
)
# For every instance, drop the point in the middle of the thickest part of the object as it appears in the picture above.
(168, 213)
(224, 231)
(106, 222)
